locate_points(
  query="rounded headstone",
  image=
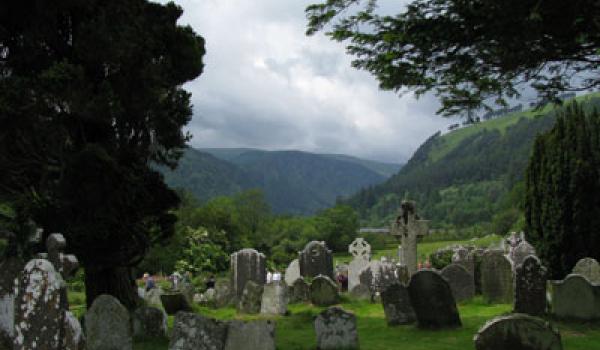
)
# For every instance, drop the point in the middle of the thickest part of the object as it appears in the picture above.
(530, 287)
(589, 268)
(292, 272)
(299, 291)
(460, 280)
(315, 259)
(336, 329)
(323, 291)
(432, 300)
(196, 332)
(247, 265)
(517, 332)
(575, 298)
(108, 325)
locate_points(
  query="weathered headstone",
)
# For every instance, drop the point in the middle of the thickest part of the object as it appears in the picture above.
(292, 272)
(315, 259)
(323, 291)
(247, 265)
(496, 277)
(396, 305)
(361, 255)
(173, 302)
(336, 329)
(460, 280)
(462, 256)
(361, 292)
(520, 252)
(255, 335)
(274, 299)
(409, 227)
(108, 325)
(149, 321)
(152, 297)
(196, 332)
(477, 255)
(11, 269)
(249, 302)
(576, 298)
(432, 300)
(299, 291)
(223, 292)
(378, 275)
(589, 268)
(530, 287)
(517, 332)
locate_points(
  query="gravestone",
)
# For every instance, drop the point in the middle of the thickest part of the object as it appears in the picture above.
(403, 274)
(477, 255)
(152, 297)
(589, 268)
(300, 291)
(432, 300)
(396, 305)
(520, 252)
(462, 257)
(249, 302)
(149, 321)
(409, 227)
(576, 298)
(255, 335)
(336, 329)
(460, 280)
(274, 299)
(530, 287)
(247, 265)
(11, 269)
(323, 291)
(196, 332)
(173, 302)
(517, 332)
(361, 292)
(223, 292)
(315, 259)
(496, 277)
(42, 317)
(361, 255)
(292, 273)
(378, 275)
(108, 325)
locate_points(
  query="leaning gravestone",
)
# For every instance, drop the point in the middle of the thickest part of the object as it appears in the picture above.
(530, 287)
(274, 299)
(315, 259)
(323, 291)
(255, 335)
(247, 265)
(576, 298)
(249, 302)
(517, 332)
(108, 325)
(149, 321)
(460, 280)
(292, 273)
(396, 305)
(299, 291)
(589, 268)
(336, 329)
(496, 277)
(432, 300)
(174, 302)
(196, 332)
(520, 252)
(361, 255)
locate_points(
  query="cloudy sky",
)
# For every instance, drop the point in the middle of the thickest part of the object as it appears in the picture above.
(267, 85)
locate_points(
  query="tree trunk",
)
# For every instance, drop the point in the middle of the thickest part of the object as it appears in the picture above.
(116, 281)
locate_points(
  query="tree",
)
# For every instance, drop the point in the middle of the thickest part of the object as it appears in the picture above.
(90, 97)
(562, 209)
(469, 52)
(338, 226)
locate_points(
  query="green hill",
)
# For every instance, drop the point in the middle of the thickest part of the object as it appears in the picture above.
(468, 177)
(293, 182)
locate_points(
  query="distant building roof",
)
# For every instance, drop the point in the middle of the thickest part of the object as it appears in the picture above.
(374, 230)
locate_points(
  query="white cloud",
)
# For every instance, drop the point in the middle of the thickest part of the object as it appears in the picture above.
(269, 86)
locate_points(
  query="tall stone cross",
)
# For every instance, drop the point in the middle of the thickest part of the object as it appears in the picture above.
(407, 228)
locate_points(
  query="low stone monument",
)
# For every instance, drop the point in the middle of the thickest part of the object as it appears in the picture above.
(336, 329)
(576, 298)
(432, 300)
(589, 268)
(108, 325)
(496, 277)
(530, 287)
(516, 332)
(396, 305)
(315, 259)
(274, 299)
(292, 272)
(249, 302)
(196, 332)
(460, 280)
(255, 335)
(323, 291)
(247, 265)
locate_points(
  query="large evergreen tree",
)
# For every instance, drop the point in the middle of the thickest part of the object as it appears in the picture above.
(562, 207)
(90, 95)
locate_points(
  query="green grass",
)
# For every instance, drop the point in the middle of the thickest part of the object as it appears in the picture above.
(295, 331)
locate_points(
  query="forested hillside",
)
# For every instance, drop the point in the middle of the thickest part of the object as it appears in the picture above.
(469, 177)
(293, 182)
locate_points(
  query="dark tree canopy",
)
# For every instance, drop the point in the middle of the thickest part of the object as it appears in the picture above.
(470, 52)
(90, 96)
(562, 207)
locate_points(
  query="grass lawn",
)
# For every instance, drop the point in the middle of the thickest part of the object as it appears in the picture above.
(295, 332)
